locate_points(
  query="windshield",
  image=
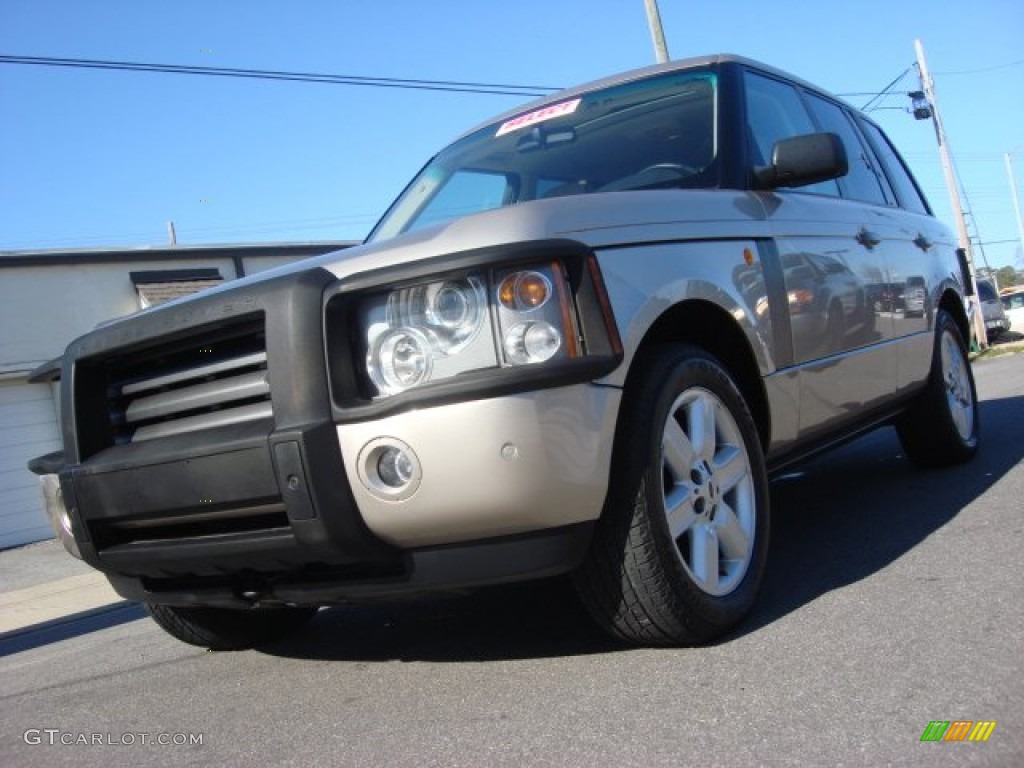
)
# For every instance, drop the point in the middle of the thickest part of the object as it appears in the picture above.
(1013, 300)
(648, 134)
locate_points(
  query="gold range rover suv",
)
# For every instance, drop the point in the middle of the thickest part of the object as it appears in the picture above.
(580, 341)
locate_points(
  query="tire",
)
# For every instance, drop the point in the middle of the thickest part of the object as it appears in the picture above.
(942, 428)
(227, 629)
(686, 459)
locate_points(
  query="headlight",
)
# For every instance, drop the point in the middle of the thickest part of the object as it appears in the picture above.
(532, 343)
(399, 359)
(478, 323)
(452, 312)
(433, 331)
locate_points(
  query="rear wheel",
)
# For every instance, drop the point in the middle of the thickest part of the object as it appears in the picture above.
(679, 552)
(227, 629)
(942, 427)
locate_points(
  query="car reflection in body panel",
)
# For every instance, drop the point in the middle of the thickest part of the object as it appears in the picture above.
(1013, 306)
(914, 295)
(828, 305)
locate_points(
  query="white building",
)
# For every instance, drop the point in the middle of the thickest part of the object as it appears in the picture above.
(48, 298)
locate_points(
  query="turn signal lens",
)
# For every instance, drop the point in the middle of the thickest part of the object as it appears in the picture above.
(533, 290)
(523, 291)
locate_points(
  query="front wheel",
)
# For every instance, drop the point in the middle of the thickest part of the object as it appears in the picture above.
(228, 629)
(679, 552)
(942, 427)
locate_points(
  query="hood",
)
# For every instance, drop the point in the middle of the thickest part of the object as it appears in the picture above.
(598, 220)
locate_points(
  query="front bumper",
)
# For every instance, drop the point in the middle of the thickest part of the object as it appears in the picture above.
(270, 509)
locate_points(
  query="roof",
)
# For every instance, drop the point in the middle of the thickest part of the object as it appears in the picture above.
(640, 74)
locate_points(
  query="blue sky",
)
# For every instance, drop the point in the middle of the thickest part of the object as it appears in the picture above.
(94, 158)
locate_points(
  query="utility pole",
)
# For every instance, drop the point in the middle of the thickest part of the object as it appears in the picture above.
(657, 33)
(1016, 202)
(954, 193)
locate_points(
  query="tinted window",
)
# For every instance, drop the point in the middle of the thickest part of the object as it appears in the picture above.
(906, 190)
(986, 292)
(860, 183)
(1013, 301)
(775, 111)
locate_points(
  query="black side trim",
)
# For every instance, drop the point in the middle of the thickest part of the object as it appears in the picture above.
(775, 290)
(149, 276)
(779, 463)
(50, 464)
(965, 272)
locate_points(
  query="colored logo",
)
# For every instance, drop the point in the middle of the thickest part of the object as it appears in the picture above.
(958, 730)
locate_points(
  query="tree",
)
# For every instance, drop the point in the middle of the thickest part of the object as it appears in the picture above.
(1007, 276)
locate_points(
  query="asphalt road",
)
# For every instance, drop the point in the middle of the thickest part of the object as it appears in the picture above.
(893, 598)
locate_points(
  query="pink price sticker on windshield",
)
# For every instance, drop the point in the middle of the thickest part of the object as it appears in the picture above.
(539, 116)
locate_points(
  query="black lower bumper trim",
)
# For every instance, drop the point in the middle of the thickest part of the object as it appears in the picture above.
(247, 498)
(443, 569)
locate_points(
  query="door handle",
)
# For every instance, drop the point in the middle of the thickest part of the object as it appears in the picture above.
(923, 242)
(867, 238)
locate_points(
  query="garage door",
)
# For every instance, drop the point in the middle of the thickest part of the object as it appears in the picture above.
(28, 428)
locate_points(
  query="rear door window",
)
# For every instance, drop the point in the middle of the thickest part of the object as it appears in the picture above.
(907, 193)
(861, 183)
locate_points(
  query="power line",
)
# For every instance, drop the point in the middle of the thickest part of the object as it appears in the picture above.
(850, 94)
(985, 69)
(500, 89)
(187, 232)
(885, 90)
(1001, 242)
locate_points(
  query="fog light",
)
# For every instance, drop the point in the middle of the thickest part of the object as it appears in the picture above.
(389, 469)
(394, 467)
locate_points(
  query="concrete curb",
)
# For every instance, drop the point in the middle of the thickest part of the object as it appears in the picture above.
(48, 603)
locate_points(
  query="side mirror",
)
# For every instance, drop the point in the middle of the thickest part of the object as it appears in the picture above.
(803, 160)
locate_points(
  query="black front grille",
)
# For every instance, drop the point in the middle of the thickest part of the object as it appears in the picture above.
(203, 378)
(189, 525)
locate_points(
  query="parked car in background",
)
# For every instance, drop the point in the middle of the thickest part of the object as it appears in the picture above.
(578, 342)
(1013, 306)
(915, 297)
(992, 310)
